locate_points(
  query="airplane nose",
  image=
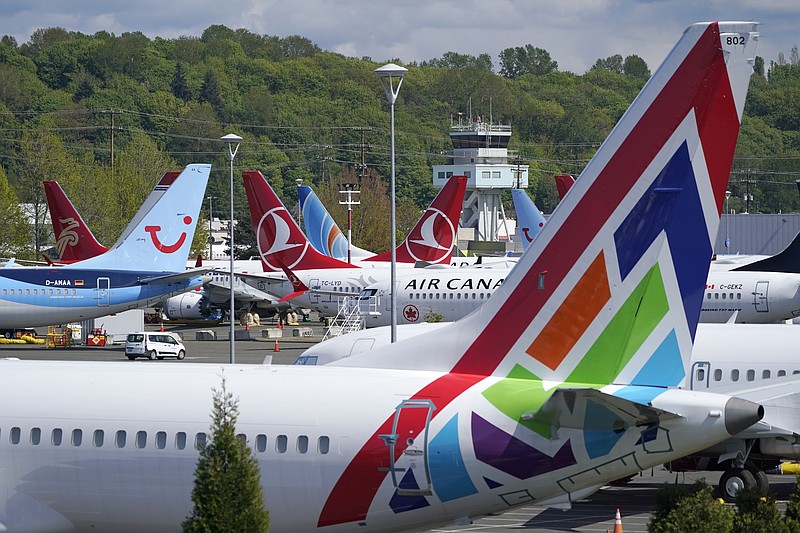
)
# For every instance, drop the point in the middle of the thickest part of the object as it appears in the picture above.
(741, 414)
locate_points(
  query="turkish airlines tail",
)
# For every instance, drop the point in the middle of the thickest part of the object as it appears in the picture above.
(434, 236)
(281, 243)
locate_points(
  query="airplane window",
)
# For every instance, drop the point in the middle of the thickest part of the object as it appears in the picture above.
(58, 291)
(723, 295)
(77, 437)
(141, 439)
(50, 291)
(161, 440)
(302, 444)
(473, 296)
(482, 296)
(751, 375)
(718, 374)
(781, 373)
(451, 295)
(430, 296)
(423, 295)
(731, 296)
(735, 375)
(281, 444)
(98, 438)
(4, 291)
(180, 440)
(36, 436)
(14, 436)
(35, 291)
(27, 292)
(716, 296)
(738, 295)
(55, 436)
(200, 441)
(701, 374)
(458, 296)
(120, 438)
(765, 374)
(74, 292)
(261, 443)
(795, 372)
(708, 296)
(242, 438)
(324, 445)
(437, 295)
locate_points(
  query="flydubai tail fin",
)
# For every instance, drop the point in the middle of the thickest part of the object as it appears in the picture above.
(611, 289)
(74, 239)
(529, 220)
(322, 231)
(280, 241)
(432, 239)
(159, 237)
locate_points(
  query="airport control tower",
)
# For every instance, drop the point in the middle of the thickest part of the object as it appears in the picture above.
(480, 152)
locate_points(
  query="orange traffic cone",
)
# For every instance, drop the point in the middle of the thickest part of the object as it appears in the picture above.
(277, 348)
(617, 523)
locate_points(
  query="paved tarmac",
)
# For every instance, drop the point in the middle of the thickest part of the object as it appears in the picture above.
(596, 514)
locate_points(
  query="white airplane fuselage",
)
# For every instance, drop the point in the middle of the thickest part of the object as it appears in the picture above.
(755, 297)
(116, 452)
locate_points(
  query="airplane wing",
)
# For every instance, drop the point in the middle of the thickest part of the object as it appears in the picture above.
(566, 407)
(176, 277)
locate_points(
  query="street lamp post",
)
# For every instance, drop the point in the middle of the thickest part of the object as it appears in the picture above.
(391, 76)
(210, 229)
(349, 190)
(232, 142)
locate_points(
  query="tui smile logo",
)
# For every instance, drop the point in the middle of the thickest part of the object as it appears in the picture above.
(167, 248)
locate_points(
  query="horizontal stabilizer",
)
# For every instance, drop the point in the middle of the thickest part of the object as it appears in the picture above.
(787, 261)
(566, 408)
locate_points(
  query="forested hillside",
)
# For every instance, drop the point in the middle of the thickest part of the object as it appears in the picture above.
(106, 115)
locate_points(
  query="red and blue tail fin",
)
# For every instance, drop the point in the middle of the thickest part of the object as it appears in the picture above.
(433, 237)
(280, 240)
(74, 239)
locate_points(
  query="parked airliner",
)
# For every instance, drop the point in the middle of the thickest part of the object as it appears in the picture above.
(511, 405)
(144, 266)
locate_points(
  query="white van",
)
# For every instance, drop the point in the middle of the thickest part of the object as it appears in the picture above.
(153, 345)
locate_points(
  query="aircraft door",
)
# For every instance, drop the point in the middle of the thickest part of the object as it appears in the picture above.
(407, 446)
(701, 374)
(760, 300)
(313, 296)
(103, 292)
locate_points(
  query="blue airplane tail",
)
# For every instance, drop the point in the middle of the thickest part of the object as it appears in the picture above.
(160, 235)
(322, 231)
(529, 220)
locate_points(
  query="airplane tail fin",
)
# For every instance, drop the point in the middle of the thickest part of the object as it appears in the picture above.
(74, 239)
(529, 220)
(564, 183)
(159, 237)
(611, 290)
(280, 241)
(432, 239)
(321, 230)
(788, 260)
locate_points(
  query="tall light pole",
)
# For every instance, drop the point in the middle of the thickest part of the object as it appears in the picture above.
(210, 229)
(391, 76)
(232, 142)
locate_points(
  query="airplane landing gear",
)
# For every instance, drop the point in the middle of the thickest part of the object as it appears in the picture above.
(737, 478)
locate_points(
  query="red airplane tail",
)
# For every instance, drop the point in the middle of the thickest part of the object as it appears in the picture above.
(433, 237)
(74, 239)
(281, 243)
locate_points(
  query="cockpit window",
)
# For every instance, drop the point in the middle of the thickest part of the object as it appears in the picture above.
(306, 360)
(366, 294)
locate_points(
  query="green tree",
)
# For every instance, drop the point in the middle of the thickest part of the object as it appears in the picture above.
(757, 514)
(179, 86)
(636, 67)
(682, 508)
(517, 61)
(227, 490)
(611, 64)
(15, 237)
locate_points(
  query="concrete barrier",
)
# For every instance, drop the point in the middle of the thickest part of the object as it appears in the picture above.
(271, 333)
(302, 332)
(205, 335)
(241, 335)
